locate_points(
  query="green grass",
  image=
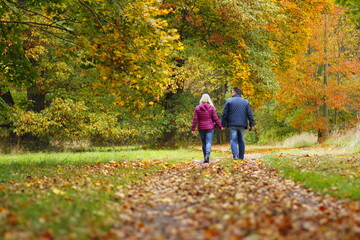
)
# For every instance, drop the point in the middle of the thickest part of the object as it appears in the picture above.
(336, 175)
(19, 166)
(74, 194)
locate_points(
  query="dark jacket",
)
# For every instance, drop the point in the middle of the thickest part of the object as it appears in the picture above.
(205, 116)
(237, 112)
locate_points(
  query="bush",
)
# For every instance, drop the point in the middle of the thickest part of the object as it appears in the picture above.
(65, 122)
(251, 137)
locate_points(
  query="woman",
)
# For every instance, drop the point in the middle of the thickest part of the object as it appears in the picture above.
(205, 116)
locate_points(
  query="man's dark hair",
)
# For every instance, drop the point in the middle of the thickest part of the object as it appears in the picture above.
(237, 90)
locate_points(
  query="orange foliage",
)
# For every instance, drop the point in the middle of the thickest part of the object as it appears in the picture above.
(328, 40)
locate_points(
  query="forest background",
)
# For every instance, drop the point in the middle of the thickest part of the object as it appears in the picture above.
(132, 71)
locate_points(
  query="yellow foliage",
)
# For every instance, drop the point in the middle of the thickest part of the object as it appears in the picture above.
(120, 103)
(35, 52)
(247, 88)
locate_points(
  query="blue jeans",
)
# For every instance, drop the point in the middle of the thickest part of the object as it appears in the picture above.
(237, 141)
(206, 140)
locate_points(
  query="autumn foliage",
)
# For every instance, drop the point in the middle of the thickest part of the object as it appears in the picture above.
(326, 73)
(146, 62)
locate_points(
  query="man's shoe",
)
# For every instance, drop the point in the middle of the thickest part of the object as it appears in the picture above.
(206, 160)
(236, 158)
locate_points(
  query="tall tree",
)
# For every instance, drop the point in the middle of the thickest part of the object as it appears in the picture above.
(312, 86)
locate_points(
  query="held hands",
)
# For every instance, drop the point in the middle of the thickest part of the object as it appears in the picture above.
(193, 132)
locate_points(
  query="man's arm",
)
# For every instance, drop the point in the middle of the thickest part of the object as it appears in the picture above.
(250, 117)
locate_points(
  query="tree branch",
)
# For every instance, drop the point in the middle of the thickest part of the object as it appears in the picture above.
(40, 24)
(94, 13)
(64, 39)
(28, 10)
(17, 5)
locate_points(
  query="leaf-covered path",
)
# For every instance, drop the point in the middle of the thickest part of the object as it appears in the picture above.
(243, 201)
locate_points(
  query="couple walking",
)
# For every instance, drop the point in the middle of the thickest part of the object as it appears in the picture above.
(236, 116)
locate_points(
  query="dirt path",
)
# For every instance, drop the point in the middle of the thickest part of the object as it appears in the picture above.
(205, 201)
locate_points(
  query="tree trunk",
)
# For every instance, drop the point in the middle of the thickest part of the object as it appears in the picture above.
(221, 135)
(336, 117)
(170, 103)
(324, 133)
(7, 97)
(36, 98)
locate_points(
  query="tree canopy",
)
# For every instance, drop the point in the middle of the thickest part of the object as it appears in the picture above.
(120, 71)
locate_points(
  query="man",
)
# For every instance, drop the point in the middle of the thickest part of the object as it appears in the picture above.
(237, 116)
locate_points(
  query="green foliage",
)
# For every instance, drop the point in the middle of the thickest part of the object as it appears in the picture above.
(14, 66)
(167, 123)
(251, 137)
(269, 127)
(353, 7)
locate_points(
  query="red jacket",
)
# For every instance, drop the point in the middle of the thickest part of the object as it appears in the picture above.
(205, 117)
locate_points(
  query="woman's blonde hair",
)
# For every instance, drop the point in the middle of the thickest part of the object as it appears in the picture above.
(205, 98)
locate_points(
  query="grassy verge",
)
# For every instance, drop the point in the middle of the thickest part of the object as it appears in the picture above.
(73, 195)
(337, 175)
(18, 167)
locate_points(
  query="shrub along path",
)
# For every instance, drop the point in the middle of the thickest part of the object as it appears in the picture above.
(226, 200)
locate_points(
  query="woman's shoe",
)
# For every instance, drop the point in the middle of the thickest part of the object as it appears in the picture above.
(206, 160)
